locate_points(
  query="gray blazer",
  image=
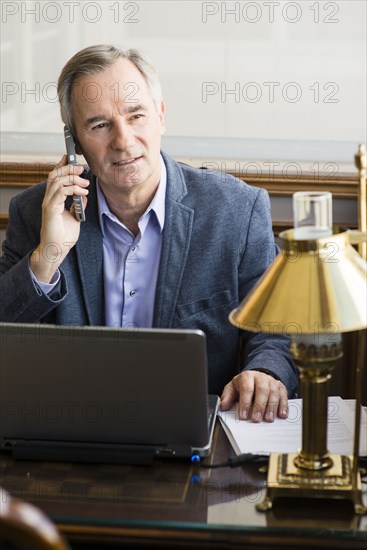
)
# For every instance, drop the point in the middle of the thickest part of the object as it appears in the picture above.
(217, 241)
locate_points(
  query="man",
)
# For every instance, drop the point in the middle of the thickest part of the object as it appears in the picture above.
(163, 244)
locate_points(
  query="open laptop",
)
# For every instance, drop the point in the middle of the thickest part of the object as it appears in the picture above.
(98, 394)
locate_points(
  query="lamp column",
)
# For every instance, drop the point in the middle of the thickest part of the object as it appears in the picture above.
(315, 364)
(314, 354)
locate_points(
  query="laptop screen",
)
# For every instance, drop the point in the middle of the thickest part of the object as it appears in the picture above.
(93, 386)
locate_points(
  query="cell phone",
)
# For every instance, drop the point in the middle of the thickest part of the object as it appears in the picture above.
(72, 159)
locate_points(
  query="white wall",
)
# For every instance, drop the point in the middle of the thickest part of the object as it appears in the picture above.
(310, 55)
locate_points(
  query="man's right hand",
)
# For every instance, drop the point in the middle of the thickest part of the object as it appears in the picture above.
(60, 229)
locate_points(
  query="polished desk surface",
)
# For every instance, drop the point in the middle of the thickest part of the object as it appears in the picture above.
(177, 504)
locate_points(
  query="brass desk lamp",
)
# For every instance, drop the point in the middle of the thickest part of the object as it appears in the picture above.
(314, 290)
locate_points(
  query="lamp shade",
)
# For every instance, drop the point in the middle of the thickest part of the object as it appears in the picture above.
(311, 286)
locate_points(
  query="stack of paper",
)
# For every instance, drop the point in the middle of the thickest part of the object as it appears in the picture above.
(285, 436)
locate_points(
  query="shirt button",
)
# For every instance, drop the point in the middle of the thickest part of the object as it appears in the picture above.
(132, 293)
(133, 248)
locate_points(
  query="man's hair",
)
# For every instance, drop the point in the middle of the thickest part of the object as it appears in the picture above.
(93, 59)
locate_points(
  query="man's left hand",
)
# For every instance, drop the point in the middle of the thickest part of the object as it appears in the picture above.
(260, 396)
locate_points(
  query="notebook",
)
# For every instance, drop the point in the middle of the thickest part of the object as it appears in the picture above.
(99, 394)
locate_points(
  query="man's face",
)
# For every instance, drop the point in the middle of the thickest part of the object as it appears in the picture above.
(118, 127)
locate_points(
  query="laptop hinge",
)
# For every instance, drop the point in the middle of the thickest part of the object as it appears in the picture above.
(82, 452)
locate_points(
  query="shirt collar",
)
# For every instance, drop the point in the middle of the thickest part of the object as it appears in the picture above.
(157, 204)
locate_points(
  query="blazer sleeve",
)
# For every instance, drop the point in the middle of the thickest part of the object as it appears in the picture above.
(21, 300)
(263, 351)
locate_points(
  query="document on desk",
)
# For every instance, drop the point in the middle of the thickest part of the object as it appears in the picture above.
(285, 435)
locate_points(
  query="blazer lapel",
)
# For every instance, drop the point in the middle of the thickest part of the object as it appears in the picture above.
(175, 246)
(89, 253)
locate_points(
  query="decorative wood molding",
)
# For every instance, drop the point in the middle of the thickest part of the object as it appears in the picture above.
(24, 174)
(340, 185)
(20, 175)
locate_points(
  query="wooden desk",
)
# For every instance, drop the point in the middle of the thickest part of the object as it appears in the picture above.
(177, 505)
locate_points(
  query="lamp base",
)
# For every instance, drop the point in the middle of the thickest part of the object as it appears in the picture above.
(286, 480)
